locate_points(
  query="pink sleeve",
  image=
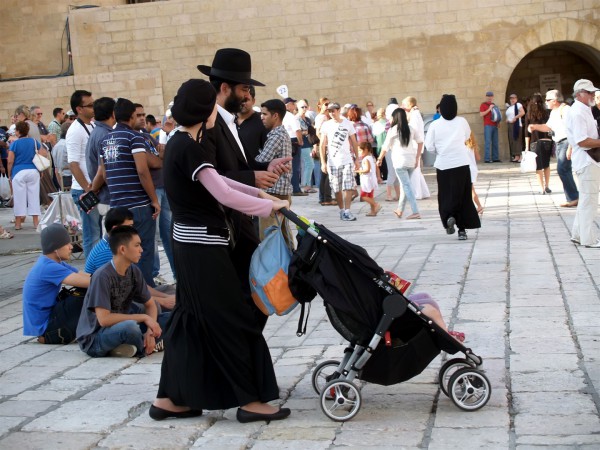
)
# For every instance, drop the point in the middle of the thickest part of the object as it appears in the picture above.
(249, 190)
(229, 196)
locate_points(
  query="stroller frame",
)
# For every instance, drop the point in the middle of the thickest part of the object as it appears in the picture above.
(335, 381)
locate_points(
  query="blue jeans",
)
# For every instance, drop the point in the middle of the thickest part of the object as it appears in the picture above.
(307, 165)
(126, 332)
(296, 170)
(164, 228)
(317, 174)
(146, 228)
(91, 224)
(565, 172)
(490, 133)
(407, 192)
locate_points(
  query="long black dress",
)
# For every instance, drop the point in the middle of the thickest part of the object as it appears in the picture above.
(215, 354)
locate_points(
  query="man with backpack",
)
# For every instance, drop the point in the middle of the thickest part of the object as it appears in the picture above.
(491, 121)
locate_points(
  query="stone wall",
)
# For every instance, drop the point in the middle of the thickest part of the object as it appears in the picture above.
(346, 51)
(34, 38)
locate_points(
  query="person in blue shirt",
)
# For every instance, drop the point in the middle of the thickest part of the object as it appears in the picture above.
(46, 314)
(24, 175)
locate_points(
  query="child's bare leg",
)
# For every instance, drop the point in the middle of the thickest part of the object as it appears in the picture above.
(434, 314)
(371, 202)
(476, 199)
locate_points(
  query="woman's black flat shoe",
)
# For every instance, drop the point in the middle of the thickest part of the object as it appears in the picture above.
(247, 416)
(160, 414)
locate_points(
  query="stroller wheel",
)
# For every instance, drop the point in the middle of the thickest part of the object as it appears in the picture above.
(340, 400)
(324, 373)
(469, 389)
(448, 369)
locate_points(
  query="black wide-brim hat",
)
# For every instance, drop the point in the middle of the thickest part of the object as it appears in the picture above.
(231, 64)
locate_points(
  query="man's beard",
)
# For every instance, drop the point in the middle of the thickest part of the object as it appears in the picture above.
(233, 104)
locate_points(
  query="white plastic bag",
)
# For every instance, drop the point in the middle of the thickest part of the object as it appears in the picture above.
(528, 161)
(64, 211)
(4, 188)
(419, 185)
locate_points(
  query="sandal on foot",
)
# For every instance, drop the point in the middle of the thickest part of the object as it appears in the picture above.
(6, 235)
(459, 336)
(398, 214)
(414, 216)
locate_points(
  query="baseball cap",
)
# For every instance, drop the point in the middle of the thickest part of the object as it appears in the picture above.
(489, 94)
(584, 85)
(288, 100)
(71, 113)
(333, 105)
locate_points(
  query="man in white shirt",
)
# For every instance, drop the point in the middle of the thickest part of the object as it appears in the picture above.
(582, 134)
(556, 126)
(513, 114)
(338, 139)
(77, 137)
(292, 126)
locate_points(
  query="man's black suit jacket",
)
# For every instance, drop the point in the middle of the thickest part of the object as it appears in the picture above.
(232, 164)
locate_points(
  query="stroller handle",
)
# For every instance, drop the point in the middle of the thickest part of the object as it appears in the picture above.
(293, 217)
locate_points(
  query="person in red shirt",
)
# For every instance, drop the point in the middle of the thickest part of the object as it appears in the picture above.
(490, 129)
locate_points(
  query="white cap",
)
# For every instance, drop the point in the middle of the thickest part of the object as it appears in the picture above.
(584, 85)
(168, 113)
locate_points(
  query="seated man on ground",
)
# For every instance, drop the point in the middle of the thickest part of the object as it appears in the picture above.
(101, 254)
(110, 322)
(48, 313)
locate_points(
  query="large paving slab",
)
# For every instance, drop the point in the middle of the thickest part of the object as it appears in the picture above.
(526, 297)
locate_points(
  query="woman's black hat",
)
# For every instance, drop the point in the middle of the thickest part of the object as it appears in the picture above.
(194, 102)
(231, 64)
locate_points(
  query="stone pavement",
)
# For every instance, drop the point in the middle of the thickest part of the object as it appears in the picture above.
(526, 297)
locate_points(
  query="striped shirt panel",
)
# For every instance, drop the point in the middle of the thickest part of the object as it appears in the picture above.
(188, 234)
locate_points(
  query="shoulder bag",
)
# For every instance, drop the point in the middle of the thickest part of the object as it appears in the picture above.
(40, 162)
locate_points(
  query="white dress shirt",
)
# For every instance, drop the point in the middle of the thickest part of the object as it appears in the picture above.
(230, 121)
(580, 125)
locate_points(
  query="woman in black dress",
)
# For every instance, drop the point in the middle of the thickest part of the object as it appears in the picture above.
(538, 141)
(215, 354)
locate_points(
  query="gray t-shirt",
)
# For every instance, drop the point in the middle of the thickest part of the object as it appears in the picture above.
(111, 291)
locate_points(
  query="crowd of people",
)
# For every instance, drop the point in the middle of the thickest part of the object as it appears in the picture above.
(208, 180)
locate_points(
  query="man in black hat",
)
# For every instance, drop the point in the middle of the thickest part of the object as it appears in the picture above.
(230, 75)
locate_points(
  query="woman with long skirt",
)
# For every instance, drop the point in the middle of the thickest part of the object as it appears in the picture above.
(446, 137)
(215, 354)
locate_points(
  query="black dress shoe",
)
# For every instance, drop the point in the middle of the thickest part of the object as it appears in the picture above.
(247, 416)
(160, 414)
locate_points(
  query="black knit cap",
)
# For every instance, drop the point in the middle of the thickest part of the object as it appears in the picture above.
(54, 236)
(448, 107)
(194, 102)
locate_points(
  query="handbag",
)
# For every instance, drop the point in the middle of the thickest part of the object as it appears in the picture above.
(269, 274)
(594, 153)
(40, 162)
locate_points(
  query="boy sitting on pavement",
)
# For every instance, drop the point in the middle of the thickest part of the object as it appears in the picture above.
(46, 314)
(101, 254)
(110, 324)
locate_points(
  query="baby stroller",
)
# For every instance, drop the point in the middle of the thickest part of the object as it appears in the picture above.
(390, 339)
